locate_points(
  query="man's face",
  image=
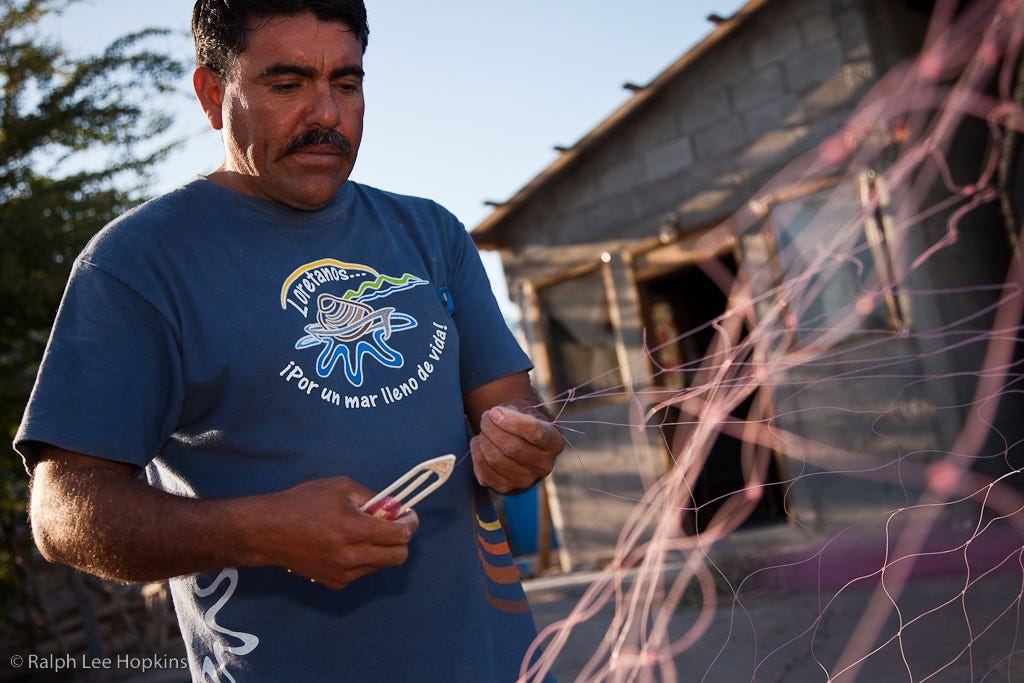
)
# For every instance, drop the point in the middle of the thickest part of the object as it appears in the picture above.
(291, 111)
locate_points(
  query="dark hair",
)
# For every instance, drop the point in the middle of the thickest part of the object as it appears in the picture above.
(220, 28)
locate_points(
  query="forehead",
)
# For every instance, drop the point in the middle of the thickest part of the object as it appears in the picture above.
(302, 39)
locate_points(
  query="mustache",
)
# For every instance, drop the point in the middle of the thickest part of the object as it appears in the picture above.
(318, 136)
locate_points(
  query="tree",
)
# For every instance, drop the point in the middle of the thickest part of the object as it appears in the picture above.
(79, 139)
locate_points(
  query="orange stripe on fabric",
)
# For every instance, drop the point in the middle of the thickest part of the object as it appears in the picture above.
(494, 548)
(500, 575)
(513, 606)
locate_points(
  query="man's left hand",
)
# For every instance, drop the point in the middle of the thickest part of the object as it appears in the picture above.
(513, 449)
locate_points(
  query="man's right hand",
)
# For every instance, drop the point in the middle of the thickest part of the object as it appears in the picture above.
(345, 543)
(95, 515)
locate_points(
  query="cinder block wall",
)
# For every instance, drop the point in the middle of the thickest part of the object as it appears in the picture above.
(740, 113)
(772, 89)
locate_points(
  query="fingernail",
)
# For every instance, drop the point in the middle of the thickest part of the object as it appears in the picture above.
(497, 415)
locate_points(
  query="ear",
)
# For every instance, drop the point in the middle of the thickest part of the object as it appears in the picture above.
(209, 89)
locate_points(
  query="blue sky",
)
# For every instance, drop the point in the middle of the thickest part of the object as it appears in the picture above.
(465, 98)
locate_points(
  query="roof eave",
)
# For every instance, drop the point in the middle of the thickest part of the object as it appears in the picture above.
(487, 233)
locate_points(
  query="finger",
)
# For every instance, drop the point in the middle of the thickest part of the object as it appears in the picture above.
(515, 458)
(497, 471)
(501, 437)
(508, 455)
(386, 546)
(534, 431)
(397, 531)
(491, 465)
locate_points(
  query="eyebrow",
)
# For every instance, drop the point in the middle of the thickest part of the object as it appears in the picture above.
(285, 69)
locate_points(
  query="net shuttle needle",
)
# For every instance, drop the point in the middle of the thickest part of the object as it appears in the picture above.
(418, 483)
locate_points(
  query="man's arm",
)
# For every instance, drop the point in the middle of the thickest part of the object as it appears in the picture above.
(93, 514)
(515, 443)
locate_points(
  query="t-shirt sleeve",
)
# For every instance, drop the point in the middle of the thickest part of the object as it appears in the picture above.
(109, 384)
(489, 350)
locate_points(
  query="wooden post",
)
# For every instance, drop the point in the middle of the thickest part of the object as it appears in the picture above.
(549, 516)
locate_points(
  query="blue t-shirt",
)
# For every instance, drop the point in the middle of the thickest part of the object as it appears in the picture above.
(232, 346)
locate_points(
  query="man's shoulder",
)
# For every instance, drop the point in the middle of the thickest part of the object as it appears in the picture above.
(398, 202)
(141, 227)
(193, 197)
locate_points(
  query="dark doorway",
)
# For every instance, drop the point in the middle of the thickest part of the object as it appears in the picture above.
(677, 307)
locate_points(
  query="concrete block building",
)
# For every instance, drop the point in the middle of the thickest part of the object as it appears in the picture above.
(786, 253)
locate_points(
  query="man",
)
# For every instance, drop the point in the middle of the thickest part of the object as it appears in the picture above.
(271, 344)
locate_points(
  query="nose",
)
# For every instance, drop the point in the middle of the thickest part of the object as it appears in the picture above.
(324, 108)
